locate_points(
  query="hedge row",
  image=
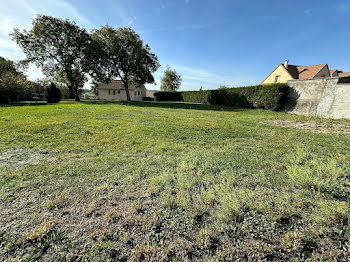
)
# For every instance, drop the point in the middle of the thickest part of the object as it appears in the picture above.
(196, 96)
(270, 97)
(168, 96)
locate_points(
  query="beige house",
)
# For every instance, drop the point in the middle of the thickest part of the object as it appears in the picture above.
(285, 72)
(115, 90)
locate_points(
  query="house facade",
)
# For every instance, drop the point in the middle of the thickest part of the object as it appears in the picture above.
(115, 90)
(285, 72)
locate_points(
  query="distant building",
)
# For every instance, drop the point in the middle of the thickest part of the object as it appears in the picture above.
(115, 90)
(284, 72)
(150, 93)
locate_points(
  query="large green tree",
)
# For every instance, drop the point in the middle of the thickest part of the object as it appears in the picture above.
(171, 80)
(122, 54)
(60, 79)
(56, 45)
(12, 81)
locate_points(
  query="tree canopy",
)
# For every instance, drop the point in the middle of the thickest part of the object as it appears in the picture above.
(8, 66)
(56, 45)
(14, 85)
(122, 54)
(171, 80)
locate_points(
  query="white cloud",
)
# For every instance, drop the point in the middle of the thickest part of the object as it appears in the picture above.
(6, 25)
(8, 44)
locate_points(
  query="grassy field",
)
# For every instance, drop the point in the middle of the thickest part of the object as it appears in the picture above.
(96, 181)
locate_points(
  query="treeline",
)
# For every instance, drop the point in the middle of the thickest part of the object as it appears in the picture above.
(67, 54)
(270, 97)
(14, 86)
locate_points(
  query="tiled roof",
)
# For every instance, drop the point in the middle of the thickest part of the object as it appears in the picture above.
(305, 72)
(116, 85)
(343, 74)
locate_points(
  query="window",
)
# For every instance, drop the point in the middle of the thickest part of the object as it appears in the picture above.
(109, 92)
(118, 91)
(277, 79)
(113, 92)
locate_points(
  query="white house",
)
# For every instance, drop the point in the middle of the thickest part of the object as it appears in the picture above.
(115, 90)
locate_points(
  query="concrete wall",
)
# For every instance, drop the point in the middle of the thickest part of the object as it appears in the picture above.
(322, 97)
(279, 71)
(104, 94)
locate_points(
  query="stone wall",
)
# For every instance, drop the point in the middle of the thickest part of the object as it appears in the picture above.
(322, 97)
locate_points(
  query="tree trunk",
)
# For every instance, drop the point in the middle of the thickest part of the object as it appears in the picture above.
(71, 92)
(126, 85)
(76, 94)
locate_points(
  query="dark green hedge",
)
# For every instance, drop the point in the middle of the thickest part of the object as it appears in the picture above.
(196, 96)
(269, 97)
(168, 96)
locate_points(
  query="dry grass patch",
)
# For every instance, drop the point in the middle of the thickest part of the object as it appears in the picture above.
(315, 127)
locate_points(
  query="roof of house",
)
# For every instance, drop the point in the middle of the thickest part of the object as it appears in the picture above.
(332, 71)
(343, 74)
(116, 85)
(305, 72)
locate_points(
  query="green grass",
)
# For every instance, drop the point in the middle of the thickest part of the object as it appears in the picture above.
(104, 181)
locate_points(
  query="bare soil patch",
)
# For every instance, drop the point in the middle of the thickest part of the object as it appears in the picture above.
(15, 158)
(315, 127)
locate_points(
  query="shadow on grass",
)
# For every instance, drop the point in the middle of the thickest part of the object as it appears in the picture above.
(172, 105)
(37, 103)
(25, 103)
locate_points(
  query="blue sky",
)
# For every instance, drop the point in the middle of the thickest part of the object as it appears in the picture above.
(209, 42)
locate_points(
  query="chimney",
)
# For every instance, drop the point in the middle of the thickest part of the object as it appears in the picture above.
(286, 64)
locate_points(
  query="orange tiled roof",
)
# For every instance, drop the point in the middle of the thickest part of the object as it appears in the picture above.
(305, 72)
(344, 74)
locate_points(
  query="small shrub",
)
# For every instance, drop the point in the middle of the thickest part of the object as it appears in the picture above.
(168, 96)
(53, 94)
